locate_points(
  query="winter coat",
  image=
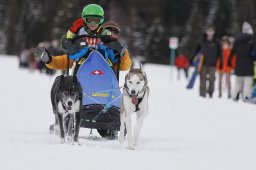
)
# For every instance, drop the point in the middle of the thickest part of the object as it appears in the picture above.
(211, 50)
(93, 39)
(60, 62)
(225, 68)
(243, 51)
(181, 62)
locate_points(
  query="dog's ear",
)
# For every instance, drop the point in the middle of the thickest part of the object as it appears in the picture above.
(144, 74)
(61, 78)
(74, 79)
(131, 68)
(146, 79)
(128, 76)
(141, 67)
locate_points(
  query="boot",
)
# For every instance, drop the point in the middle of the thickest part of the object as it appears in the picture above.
(229, 95)
(220, 94)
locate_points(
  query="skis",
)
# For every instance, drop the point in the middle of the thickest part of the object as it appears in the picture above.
(197, 64)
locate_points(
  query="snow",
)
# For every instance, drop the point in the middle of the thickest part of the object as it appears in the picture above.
(181, 132)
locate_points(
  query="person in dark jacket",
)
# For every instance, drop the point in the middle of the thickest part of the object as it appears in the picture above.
(209, 46)
(244, 62)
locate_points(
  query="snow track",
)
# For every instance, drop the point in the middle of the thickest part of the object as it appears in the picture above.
(182, 131)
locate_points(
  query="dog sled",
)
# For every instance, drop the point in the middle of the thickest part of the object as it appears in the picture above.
(101, 94)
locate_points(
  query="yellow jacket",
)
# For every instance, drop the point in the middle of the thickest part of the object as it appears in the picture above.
(60, 62)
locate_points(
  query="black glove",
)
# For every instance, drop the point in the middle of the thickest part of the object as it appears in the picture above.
(43, 54)
(80, 43)
(71, 48)
(106, 39)
(117, 46)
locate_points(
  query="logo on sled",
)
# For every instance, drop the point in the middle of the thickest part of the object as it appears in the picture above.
(97, 72)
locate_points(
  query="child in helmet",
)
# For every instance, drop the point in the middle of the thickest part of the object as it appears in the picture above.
(120, 61)
(90, 27)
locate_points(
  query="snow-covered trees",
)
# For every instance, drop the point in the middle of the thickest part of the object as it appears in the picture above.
(146, 25)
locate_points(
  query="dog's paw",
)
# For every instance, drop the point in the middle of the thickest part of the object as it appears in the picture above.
(62, 140)
(121, 139)
(70, 140)
(76, 143)
(131, 147)
(56, 132)
(135, 143)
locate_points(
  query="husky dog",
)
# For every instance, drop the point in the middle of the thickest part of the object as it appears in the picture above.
(66, 98)
(135, 99)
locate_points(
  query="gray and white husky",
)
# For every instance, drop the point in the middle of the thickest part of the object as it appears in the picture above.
(66, 98)
(135, 99)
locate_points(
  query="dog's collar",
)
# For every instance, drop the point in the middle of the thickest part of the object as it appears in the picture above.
(139, 101)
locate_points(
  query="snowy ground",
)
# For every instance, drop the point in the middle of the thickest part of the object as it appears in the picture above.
(182, 131)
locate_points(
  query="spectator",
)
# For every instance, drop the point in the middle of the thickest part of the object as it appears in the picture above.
(210, 48)
(225, 70)
(182, 63)
(254, 74)
(24, 58)
(244, 62)
(32, 60)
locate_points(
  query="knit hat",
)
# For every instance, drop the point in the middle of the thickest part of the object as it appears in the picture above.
(225, 39)
(247, 28)
(111, 24)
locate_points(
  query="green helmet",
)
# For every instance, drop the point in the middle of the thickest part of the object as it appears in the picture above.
(93, 10)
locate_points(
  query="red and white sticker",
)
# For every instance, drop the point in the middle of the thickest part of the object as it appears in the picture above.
(97, 72)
